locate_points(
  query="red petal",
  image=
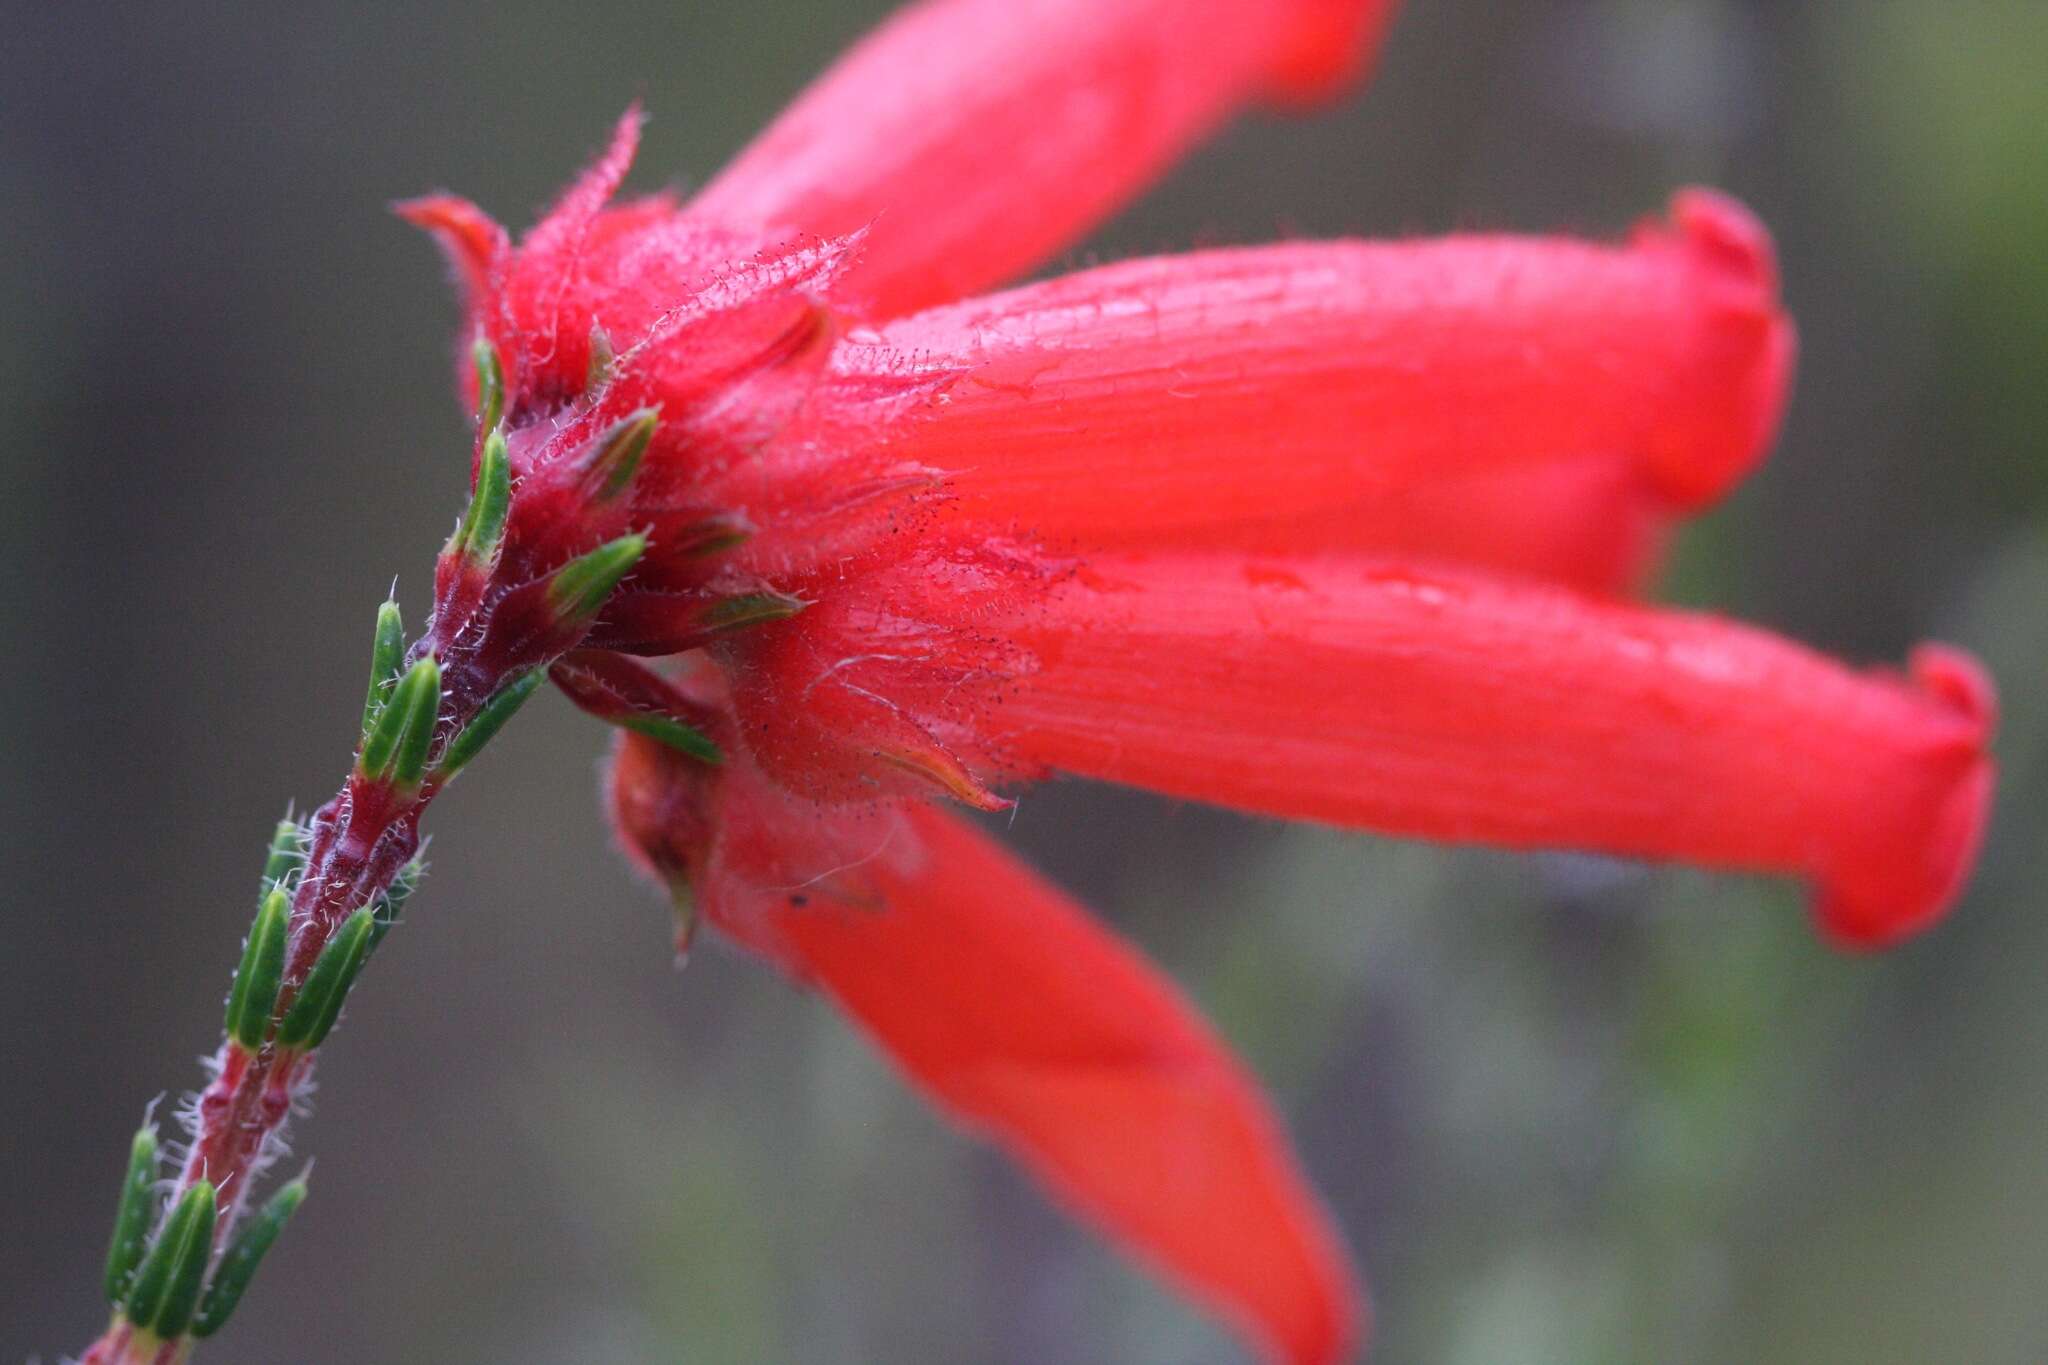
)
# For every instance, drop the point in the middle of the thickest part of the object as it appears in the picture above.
(981, 136)
(1331, 46)
(1132, 402)
(1592, 523)
(477, 250)
(1021, 1016)
(471, 239)
(568, 224)
(894, 660)
(551, 258)
(1467, 709)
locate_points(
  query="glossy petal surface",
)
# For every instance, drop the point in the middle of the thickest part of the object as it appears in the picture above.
(1593, 523)
(1448, 705)
(1133, 402)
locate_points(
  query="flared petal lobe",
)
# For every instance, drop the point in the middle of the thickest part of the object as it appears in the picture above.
(978, 137)
(1446, 705)
(1010, 1007)
(1464, 709)
(1140, 402)
(478, 250)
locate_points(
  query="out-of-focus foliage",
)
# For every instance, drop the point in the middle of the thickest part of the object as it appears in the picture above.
(1568, 1111)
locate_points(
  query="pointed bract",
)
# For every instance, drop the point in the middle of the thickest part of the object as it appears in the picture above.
(238, 1264)
(166, 1287)
(287, 849)
(387, 651)
(132, 1216)
(616, 455)
(193, 1251)
(396, 747)
(490, 385)
(628, 694)
(684, 739)
(385, 911)
(318, 1005)
(482, 528)
(484, 726)
(580, 587)
(254, 995)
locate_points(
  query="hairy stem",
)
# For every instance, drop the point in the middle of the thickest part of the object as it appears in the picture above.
(360, 842)
(505, 609)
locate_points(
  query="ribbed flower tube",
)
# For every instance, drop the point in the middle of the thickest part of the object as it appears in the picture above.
(1467, 708)
(1130, 403)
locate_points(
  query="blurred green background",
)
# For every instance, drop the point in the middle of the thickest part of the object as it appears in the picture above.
(1567, 1110)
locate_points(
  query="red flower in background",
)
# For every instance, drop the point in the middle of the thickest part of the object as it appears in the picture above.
(1335, 531)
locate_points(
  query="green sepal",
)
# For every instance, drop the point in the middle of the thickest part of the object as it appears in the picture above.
(287, 853)
(391, 902)
(239, 1262)
(387, 651)
(255, 991)
(683, 907)
(397, 745)
(490, 384)
(603, 360)
(748, 609)
(686, 738)
(166, 1288)
(581, 586)
(320, 999)
(483, 727)
(410, 764)
(615, 456)
(188, 1275)
(132, 1217)
(482, 527)
(715, 534)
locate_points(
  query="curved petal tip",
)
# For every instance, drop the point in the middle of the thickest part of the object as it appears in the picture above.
(1918, 866)
(1752, 339)
(1332, 48)
(473, 242)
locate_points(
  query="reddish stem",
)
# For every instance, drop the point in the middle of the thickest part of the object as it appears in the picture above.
(361, 839)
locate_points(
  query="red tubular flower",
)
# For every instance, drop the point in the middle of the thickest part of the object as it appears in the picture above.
(1449, 705)
(1108, 1086)
(1332, 531)
(1137, 400)
(978, 138)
